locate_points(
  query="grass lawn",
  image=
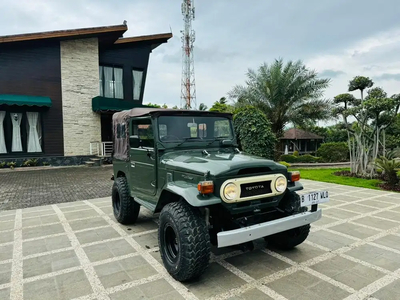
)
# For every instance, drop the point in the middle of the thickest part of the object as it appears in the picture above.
(326, 175)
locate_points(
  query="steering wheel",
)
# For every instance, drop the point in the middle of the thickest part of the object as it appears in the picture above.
(170, 137)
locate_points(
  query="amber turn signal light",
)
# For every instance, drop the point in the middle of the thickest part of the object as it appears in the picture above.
(206, 187)
(295, 176)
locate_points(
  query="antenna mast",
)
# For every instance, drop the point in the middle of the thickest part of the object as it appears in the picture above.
(188, 88)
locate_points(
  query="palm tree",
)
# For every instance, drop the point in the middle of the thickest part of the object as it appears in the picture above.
(287, 93)
(202, 106)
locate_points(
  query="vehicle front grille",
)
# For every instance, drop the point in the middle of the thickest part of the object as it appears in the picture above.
(255, 188)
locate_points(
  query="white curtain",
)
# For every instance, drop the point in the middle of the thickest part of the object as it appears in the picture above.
(16, 135)
(33, 136)
(3, 148)
(137, 84)
(119, 90)
(108, 82)
(101, 80)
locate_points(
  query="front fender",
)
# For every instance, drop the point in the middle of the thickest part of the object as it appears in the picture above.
(191, 194)
(296, 187)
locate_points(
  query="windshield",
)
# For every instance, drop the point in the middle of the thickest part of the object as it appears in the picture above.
(183, 128)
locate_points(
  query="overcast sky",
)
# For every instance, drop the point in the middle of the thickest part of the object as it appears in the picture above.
(338, 38)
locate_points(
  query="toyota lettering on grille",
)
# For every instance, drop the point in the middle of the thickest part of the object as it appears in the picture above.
(255, 187)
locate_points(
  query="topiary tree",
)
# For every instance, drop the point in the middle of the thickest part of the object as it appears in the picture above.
(334, 152)
(254, 132)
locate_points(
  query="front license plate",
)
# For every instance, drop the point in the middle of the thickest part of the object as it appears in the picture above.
(312, 198)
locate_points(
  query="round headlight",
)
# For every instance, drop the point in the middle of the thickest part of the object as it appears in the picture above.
(230, 191)
(281, 184)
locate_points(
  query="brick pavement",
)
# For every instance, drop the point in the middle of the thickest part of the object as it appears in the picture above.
(20, 189)
(78, 251)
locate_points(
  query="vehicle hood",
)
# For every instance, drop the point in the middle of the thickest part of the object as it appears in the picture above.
(216, 163)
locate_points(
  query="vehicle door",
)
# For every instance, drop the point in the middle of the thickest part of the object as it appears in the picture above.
(142, 157)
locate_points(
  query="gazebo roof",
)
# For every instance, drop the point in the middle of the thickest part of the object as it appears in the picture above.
(299, 134)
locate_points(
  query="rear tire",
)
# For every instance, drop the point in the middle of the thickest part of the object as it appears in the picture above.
(125, 209)
(289, 239)
(184, 241)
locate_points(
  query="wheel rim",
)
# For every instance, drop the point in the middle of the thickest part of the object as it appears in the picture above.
(171, 243)
(116, 202)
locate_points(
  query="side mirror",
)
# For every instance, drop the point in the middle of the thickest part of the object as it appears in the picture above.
(134, 141)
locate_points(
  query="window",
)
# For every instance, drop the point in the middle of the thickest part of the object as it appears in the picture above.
(110, 81)
(143, 130)
(180, 128)
(20, 132)
(121, 133)
(137, 83)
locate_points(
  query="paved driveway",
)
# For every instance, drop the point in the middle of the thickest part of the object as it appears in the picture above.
(28, 188)
(77, 251)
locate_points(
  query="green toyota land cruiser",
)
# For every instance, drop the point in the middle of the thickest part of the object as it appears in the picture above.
(185, 165)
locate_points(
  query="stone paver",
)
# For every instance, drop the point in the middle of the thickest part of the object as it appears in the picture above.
(77, 250)
(20, 189)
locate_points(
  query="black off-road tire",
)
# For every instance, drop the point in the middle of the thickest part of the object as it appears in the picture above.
(184, 241)
(289, 239)
(126, 210)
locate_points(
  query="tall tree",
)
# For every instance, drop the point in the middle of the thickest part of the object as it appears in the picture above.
(221, 106)
(285, 93)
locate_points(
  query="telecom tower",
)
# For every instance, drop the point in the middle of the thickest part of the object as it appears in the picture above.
(188, 89)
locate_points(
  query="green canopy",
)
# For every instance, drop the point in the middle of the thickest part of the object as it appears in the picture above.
(100, 104)
(24, 100)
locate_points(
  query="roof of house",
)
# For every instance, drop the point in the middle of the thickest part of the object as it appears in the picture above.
(118, 30)
(299, 134)
(109, 34)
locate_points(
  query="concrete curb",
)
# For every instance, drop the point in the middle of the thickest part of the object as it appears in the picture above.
(321, 165)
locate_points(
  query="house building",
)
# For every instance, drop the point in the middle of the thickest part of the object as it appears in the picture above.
(59, 89)
(304, 142)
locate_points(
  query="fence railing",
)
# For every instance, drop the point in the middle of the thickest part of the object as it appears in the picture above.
(101, 148)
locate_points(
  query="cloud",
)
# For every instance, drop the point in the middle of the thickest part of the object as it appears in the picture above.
(387, 76)
(340, 39)
(330, 73)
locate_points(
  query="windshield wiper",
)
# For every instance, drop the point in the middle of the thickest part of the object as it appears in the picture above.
(214, 140)
(188, 139)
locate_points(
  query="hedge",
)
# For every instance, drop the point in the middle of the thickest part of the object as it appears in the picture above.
(307, 158)
(334, 152)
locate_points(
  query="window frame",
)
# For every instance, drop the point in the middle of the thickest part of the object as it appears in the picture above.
(24, 132)
(146, 121)
(102, 80)
(141, 84)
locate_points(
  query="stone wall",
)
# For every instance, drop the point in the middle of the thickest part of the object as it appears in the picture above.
(79, 84)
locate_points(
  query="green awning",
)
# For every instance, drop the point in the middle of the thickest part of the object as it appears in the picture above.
(21, 100)
(104, 104)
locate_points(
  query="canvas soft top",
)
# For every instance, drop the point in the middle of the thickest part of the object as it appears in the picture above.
(120, 124)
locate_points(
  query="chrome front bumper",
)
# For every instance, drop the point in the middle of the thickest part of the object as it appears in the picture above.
(250, 233)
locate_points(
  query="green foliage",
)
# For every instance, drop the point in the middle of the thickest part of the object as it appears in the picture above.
(45, 163)
(203, 107)
(2, 164)
(334, 152)
(288, 158)
(360, 83)
(389, 164)
(164, 106)
(308, 158)
(287, 165)
(175, 107)
(222, 106)
(296, 153)
(254, 132)
(153, 105)
(12, 165)
(285, 93)
(30, 163)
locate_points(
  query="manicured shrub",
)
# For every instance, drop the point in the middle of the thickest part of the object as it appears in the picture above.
(287, 165)
(288, 158)
(296, 153)
(254, 133)
(2, 164)
(334, 152)
(306, 158)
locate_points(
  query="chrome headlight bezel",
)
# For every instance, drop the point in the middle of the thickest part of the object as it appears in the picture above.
(280, 184)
